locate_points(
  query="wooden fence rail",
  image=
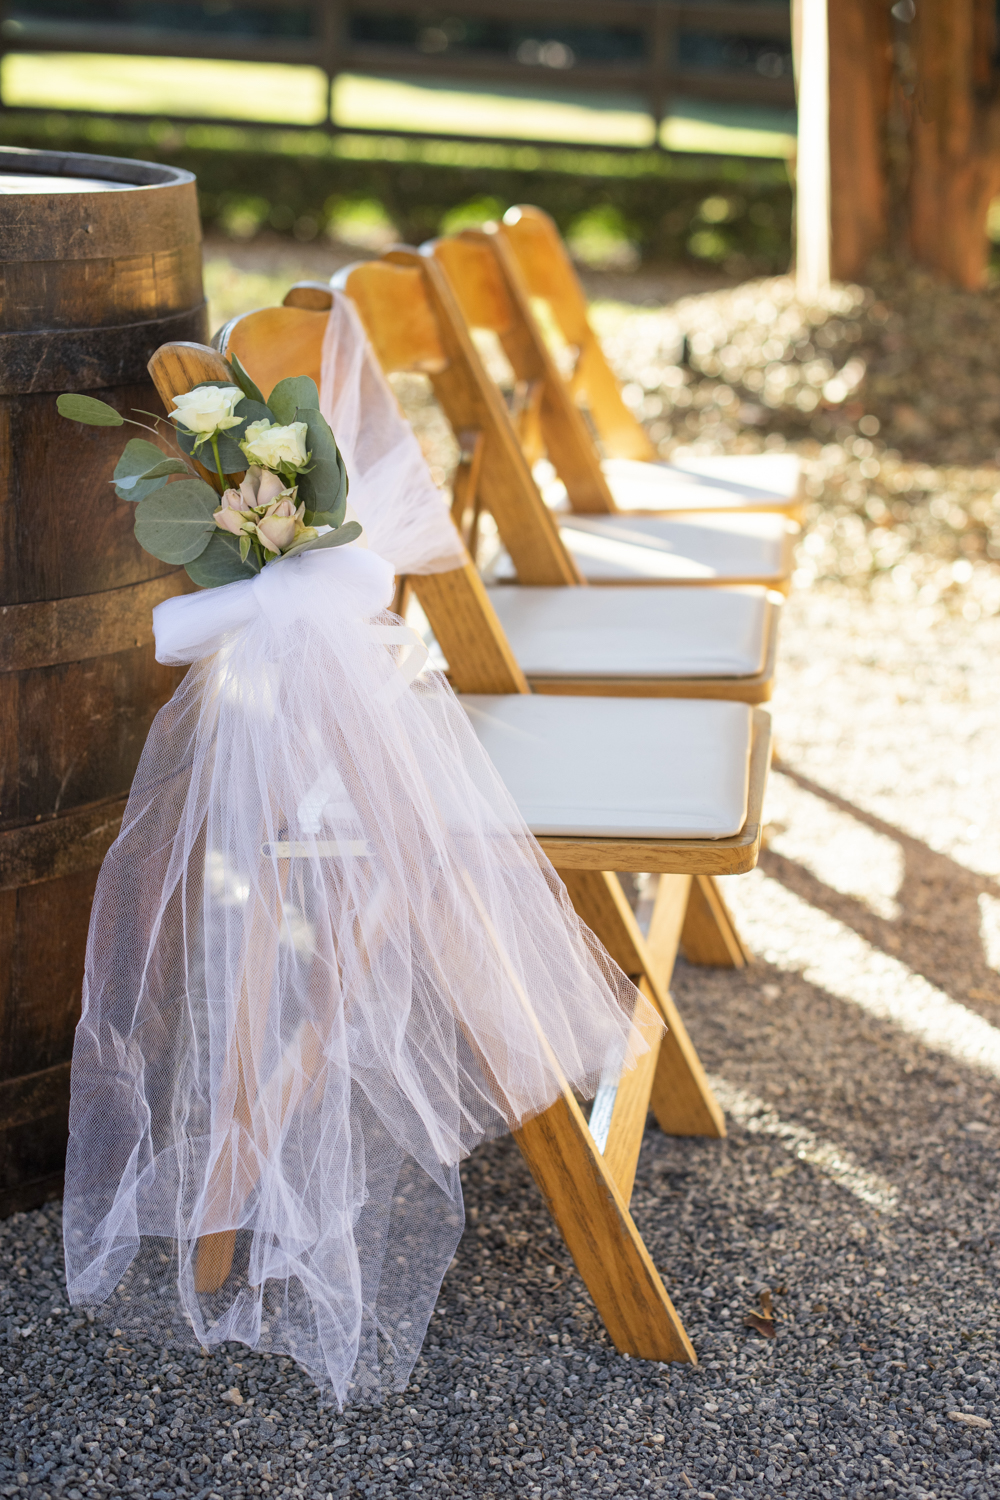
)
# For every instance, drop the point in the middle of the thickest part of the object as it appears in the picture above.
(649, 50)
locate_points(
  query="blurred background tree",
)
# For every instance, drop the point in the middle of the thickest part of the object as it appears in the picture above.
(914, 134)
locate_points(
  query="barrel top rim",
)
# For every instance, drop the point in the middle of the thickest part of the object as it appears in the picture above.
(130, 172)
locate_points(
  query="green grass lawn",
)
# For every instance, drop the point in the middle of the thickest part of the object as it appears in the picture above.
(275, 93)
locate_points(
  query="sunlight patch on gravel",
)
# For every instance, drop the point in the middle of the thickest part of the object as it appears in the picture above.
(838, 849)
(787, 932)
(897, 710)
(759, 1118)
(989, 929)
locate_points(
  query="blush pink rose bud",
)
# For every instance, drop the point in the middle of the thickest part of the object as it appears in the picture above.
(231, 515)
(277, 529)
(270, 487)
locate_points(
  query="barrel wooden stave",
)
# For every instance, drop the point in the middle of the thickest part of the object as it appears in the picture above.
(42, 938)
(64, 530)
(91, 284)
(69, 732)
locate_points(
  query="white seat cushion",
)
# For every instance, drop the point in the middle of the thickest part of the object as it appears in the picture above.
(578, 632)
(619, 768)
(708, 547)
(693, 483)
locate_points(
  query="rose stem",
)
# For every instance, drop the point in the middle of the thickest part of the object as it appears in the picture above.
(218, 462)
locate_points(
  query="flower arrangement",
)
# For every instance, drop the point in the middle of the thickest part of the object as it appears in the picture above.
(262, 480)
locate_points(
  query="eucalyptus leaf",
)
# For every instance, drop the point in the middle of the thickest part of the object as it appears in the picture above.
(250, 411)
(175, 522)
(231, 455)
(347, 533)
(220, 563)
(246, 385)
(89, 410)
(324, 488)
(167, 466)
(141, 468)
(297, 390)
(138, 455)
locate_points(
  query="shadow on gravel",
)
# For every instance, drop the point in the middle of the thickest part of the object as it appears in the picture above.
(938, 930)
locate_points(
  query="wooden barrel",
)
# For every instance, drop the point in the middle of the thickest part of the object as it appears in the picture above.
(100, 262)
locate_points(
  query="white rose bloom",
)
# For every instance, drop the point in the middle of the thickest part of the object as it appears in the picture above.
(272, 446)
(208, 409)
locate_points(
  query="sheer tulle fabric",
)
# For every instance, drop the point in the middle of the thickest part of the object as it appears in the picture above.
(326, 959)
(404, 514)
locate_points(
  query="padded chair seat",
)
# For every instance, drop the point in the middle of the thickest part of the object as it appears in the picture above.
(627, 768)
(709, 548)
(705, 484)
(574, 632)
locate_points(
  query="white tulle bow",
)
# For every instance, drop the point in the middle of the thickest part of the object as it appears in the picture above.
(349, 578)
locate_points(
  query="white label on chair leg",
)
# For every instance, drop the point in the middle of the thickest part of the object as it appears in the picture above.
(600, 1114)
(603, 1106)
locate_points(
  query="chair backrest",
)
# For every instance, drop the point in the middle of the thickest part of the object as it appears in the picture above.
(415, 325)
(279, 341)
(549, 274)
(285, 339)
(490, 290)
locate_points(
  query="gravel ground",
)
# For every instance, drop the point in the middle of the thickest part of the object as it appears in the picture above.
(856, 1195)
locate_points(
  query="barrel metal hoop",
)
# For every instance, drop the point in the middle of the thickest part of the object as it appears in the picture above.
(53, 632)
(91, 359)
(60, 846)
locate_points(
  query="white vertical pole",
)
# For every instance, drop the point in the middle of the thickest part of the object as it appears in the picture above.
(812, 169)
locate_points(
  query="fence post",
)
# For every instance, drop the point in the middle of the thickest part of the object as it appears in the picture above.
(332, 20)
(663, 63)
(812, 161)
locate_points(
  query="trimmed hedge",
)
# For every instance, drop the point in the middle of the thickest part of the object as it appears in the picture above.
(678, 208)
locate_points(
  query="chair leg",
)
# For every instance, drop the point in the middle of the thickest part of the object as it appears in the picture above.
(628, 1115)
(681, 1099)
(600, 1234)
(234, 1169)
(709, 934)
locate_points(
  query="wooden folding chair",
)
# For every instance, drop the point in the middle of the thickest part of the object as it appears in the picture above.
(765, 481)
(587, 1182)
(676, 642)
(711, 550)
(608, 544)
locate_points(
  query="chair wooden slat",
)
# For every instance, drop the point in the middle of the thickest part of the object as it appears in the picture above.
(400, 306)
(286, 339)
(550, 275)
(487, 286)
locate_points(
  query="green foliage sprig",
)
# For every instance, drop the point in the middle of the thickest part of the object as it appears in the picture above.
(278, 476)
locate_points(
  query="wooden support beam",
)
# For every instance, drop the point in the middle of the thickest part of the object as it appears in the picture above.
(709, 934)
(479, 656)
(628, 1118)
(605, 1244)
(681, 1098)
